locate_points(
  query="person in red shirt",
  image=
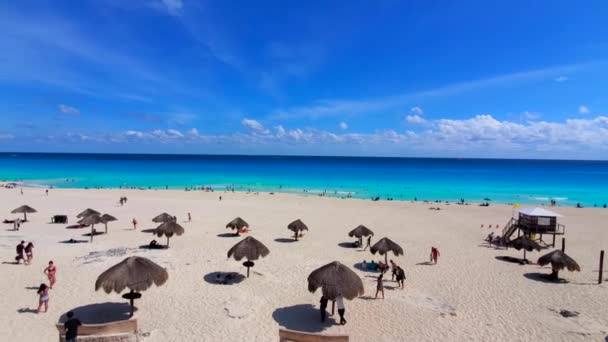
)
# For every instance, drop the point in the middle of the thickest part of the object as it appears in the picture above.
(434, 255)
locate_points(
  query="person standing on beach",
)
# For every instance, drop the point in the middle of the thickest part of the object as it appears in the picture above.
(323, 308)
(71, 327)
(369, 242)
(134, 224)
(43, 298)
(434, 255)
(50, 272)
(394, 269)
(47, 192)
(380, 285)
(341, 308)
(400, 277)
(29, 253)
(20, 252)
(189, 217)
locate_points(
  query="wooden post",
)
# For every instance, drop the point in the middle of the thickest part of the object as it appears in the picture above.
(333, 307)
(563, 245)
(601, 276)
(553, 241)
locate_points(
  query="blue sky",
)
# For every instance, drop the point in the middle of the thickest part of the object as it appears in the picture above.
(376, 78)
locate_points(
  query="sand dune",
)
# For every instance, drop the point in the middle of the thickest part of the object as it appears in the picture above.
(469, 295)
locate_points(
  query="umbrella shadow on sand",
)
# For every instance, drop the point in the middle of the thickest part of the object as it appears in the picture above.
(544, 278)
(151, 230)
(100, 313)
(363, 268)
(227, 235)
(285, 240)
(223, 278)
(348, 244)
(302, 317)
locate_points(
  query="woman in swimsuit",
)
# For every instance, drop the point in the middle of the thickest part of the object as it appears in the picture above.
(50, 272)
(43, 293)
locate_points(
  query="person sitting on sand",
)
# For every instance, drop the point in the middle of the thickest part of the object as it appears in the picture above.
(383, 267)
(29, 253)
(43, 299)
(380, 285)
(50, 272)
(20, 252)
(490, 237)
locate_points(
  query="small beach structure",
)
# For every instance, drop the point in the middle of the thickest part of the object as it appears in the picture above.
(525, 243)
(25, 209)
(105, 218)
(91, 220)
(169, 229)
(559, 261)
(250, 249)
(534, 222)
(384, 246)
(360, 232)
(297, 227)
(335, 279)
(237, 224)
(135, 273)
(164, 217)
(88, 212)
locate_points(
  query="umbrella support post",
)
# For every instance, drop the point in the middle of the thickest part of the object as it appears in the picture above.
(601, 276)
(553, 245)
(167, 242)
(92, 230)
(563, 245)
(106, 228)
(132, 302)
(247, 272)
(333, 307)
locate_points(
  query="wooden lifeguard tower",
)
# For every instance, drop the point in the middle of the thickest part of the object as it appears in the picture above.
(533, 222)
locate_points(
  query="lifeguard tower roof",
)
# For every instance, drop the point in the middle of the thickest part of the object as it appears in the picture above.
(536, 211)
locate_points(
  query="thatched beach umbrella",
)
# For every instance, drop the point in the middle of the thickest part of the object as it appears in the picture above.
(91, 220)
(250, 249)
(558, 260)
(164, 217)
(335, 279)
(105, 218)
(135, 273)
(168, 229)
(24, 209)
(296, 227)
(237, 224)
(385, 245)
(360, 232)
(525, 243)
(88, 212)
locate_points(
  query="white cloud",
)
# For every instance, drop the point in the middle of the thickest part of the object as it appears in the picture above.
(193, 132)
(174, 133)
(582, 109)
(254, 125)
(343, 125)
(65, 109)
(530, 115)
(561, 79)
(415, 119)
(417, 111)
(280, 131)
(174, 7)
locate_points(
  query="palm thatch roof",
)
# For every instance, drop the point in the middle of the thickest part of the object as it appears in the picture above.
(135, 273)
(385, 245)
(23, 209)
(164, 217)
(524, 242)
(248, 248)
(361, 231)
(297, 226)
(88, 212)
(238, 224)
(559, 260)
(168, 229)
(91, 220)
(108, 218)
(335, 279)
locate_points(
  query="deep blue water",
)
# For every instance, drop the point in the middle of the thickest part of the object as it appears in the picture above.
(501, 180)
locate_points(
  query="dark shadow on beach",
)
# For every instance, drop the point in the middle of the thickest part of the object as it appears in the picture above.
(510, 259)
(75, 226)
(362, 268)
(224, 278)
(31, 288)
(367, 298)
(100, 313)
(10, 263)
(284, 240)
(70, 241)
(151, 230)
(153, 248)
(544, 278)
(302, 317)
(26, 310)
(347, 244)
(227, 235)
(425, 263)
(94, 234)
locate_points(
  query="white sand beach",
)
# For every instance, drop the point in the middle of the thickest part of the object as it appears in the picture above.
(468, 296)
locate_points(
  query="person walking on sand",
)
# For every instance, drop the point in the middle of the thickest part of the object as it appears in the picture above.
(380, 286)
(400, 277)
(369, 242)
(71, 327)
(341, 308)
(50, 272)
(434, 255)
(43, 298)
(29, 253)
(134, 224)
(20, 252)
(323, 308)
